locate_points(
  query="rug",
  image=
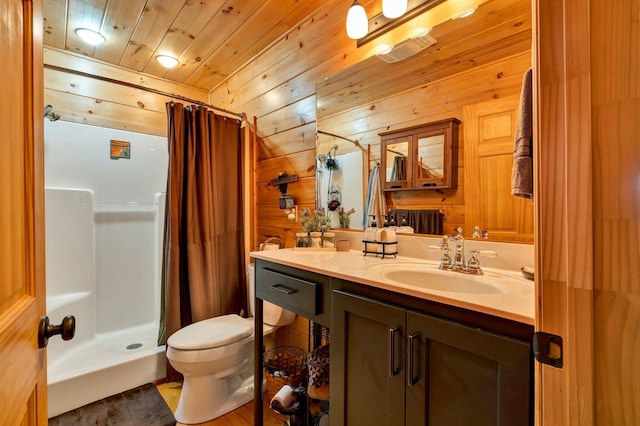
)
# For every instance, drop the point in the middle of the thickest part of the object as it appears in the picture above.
(140, 406)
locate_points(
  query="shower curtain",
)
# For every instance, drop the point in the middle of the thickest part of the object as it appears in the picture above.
(203, 261)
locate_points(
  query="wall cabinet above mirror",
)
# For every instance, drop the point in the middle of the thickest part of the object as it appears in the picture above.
(421, 157)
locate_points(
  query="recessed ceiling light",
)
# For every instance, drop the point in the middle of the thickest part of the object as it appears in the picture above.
(89, 36)
(167, 61)
(464, 13)
(383, 49)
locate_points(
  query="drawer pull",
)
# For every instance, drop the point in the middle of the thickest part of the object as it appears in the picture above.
(283, 289)
(392, 351)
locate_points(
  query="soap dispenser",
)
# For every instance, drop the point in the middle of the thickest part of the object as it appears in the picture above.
(404, 227)
(370, 235)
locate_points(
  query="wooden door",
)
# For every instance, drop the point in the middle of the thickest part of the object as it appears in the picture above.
(22, 365)
(489, 132)
(367, 362)
(459, 375)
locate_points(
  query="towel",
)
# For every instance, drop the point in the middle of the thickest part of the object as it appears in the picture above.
(376, 203)
(422, 221)
(522, 171)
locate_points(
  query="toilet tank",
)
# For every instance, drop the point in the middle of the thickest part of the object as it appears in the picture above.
(271, 314)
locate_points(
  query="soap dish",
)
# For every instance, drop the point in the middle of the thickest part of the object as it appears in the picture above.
(528, 272)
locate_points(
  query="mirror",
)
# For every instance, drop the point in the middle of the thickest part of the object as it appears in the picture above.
(395, 169)
(477, 59)
(430, 159)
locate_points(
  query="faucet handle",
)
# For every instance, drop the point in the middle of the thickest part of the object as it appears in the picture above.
(459, 231)
(476, 232)
(473, 266)
(444, 242)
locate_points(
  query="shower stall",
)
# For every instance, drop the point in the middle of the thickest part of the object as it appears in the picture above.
(104, 231)
(341, 181)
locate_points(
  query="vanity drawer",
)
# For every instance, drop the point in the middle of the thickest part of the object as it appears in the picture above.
(296, 290)
(292, 293)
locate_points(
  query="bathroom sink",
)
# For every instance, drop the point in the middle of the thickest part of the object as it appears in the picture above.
(451, 282)
(427, 276)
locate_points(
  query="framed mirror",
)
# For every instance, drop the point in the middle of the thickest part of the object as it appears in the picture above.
(475, 60)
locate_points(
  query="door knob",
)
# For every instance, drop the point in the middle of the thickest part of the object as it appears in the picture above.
(66, 329)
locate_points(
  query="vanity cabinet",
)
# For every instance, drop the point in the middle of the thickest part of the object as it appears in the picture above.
(402, 360)
(391, 365)
(421, 157)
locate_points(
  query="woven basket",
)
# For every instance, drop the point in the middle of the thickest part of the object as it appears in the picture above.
(283, 365)
(318, 365)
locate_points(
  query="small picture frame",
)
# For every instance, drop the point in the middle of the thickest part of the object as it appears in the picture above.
(120, 149)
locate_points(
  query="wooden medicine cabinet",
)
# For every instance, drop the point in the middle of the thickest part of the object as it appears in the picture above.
(420, 157)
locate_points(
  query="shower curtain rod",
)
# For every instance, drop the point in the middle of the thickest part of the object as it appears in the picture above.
(242, 116)
(355, 142)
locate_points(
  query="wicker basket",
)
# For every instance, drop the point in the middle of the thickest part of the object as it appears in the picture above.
(318, 365)
(283, 365)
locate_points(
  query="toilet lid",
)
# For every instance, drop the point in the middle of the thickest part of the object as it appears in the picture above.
(211, 333)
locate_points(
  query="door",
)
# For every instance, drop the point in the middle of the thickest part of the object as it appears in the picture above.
(367, 362)
(22, 364)
(489, 133)
(459, 376)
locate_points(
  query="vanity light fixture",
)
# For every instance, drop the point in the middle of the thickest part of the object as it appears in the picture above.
(167, 61)
(357, 22)
(394, 8)
(90, 37)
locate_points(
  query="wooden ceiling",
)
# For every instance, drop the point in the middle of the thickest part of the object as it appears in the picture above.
(210, 38)
(213, 39)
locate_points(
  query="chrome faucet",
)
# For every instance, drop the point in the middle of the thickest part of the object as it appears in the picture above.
(458, 263)
(445, 260)
(458, 259)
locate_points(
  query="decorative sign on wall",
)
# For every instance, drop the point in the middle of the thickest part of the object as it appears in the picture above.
(120, 149)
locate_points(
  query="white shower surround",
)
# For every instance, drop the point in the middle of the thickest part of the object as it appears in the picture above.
(104, 222)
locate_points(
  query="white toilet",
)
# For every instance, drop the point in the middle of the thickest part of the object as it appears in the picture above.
(216, 358)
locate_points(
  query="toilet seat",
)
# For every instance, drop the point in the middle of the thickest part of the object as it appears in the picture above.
(211, 333)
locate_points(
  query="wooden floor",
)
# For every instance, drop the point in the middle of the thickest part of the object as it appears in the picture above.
(242, 416)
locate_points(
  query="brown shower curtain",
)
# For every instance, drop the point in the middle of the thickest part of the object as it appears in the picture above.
(203, 262)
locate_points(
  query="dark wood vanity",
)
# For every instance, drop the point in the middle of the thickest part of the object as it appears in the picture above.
(399, 359)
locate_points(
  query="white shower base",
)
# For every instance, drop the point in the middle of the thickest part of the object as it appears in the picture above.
(103, 366)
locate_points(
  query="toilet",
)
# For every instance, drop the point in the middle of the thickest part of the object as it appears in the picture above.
(215, 356)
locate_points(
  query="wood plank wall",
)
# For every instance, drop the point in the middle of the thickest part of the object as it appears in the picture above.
(91, 101)
(279, 87)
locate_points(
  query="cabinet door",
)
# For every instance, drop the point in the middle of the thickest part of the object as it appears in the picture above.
(396, 162)
(464, 376)
(367, 362)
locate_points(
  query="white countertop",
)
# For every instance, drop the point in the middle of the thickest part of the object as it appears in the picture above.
(513, 298)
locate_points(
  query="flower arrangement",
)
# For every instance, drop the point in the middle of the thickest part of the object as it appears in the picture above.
(308, 221)
(344, 216)
(324, 220)
(318, 221)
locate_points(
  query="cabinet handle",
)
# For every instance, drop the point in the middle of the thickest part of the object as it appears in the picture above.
(392, 351)
(283, 289)
(410, 380)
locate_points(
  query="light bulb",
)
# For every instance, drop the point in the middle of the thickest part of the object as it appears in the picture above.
(167, 61)
(89, 36)
(394, 8)
(357, 22)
